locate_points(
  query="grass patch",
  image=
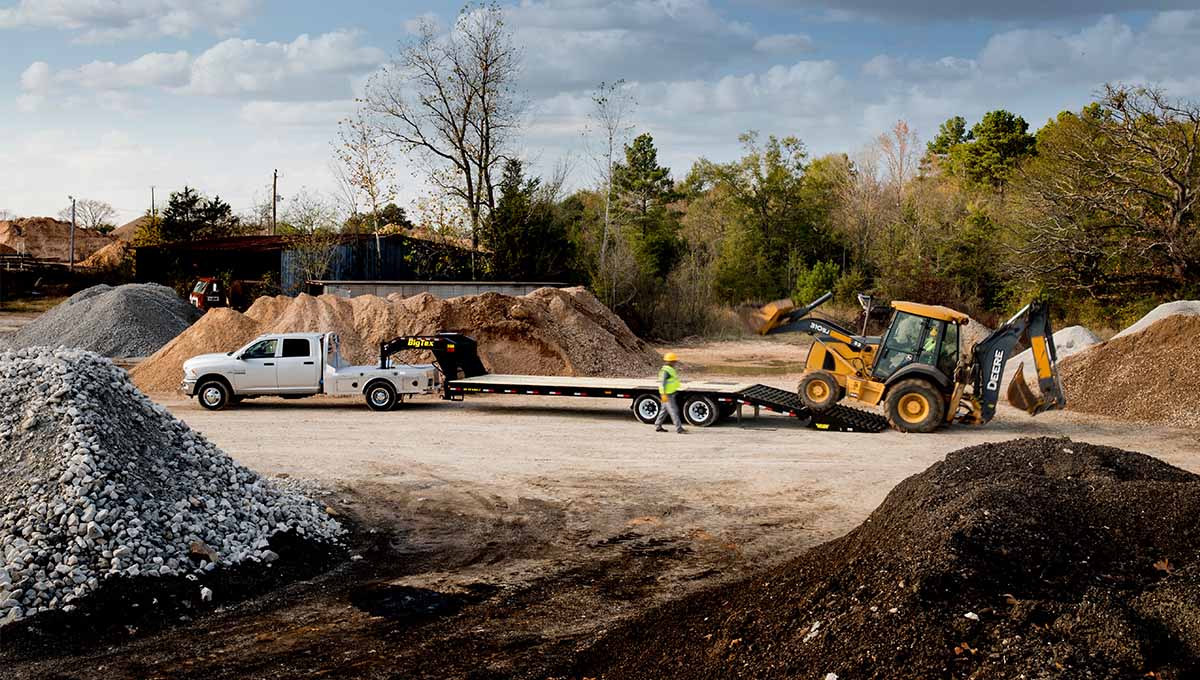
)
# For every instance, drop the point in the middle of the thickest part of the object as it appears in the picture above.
(35, 305)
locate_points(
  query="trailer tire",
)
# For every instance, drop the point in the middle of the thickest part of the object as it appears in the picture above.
(727, 410)
(701, 411)
(646, 408)
(214, 394)
(381, 395)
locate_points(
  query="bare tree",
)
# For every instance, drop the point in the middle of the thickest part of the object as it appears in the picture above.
(900, 150)
(91, 214)
(612, 105)
(313, 221)
(365, 169)
(451, 99)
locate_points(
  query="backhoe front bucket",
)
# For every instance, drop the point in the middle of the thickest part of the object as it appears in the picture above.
(1020, 396)
(763, 319)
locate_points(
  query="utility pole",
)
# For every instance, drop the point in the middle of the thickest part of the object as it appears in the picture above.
(274, 199)
(71, 266)
(153, 205)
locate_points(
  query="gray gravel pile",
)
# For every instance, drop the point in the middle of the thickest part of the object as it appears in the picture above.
(98, 482)
(134, 320)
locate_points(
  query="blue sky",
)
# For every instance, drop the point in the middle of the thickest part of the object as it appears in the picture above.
(103, 99)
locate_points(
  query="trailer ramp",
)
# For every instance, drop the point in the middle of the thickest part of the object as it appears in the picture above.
(839, 418)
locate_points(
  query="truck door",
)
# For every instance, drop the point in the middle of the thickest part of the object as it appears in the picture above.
(297, 368)
(259, 363)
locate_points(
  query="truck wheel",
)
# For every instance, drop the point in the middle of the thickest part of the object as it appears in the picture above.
(819, 390)
(701, 411)
(646, 408)
(381, 396)
(213, 395)
(915, 406)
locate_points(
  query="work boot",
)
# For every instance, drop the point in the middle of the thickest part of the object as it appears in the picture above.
(681, 431)
(660, 428)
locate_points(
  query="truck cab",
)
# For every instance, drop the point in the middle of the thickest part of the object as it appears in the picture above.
(295, 365)
(207, 294)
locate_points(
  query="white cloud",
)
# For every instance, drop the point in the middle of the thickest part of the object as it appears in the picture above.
(299, 69)
(783, 43)
(414, 25)
(100, 21)
(325, 67)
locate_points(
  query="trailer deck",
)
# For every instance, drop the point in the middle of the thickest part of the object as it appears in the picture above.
(703, 402)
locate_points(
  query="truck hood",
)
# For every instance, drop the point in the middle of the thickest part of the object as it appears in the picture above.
(208, 361)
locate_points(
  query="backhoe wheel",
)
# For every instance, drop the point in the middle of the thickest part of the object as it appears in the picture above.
(915, 406)
(381, 396)
(819, 390)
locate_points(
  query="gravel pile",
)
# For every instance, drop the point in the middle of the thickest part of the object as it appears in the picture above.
(99, 483)
(1034, 558)
(133, 320)
(1166, 309)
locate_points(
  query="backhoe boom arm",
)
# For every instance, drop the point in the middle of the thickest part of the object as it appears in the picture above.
(990, 355)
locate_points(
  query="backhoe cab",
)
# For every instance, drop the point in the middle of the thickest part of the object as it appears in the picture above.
(916, 369)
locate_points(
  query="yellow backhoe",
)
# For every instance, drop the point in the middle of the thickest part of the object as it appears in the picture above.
(916, 369)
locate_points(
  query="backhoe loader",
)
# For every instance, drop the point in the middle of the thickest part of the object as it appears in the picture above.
(916, 369)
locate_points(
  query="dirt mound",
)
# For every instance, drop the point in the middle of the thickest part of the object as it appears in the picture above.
(133, 320)
(1144, 376)
(7, 250)
(1035, 558)
(126, 232)
(549, 331)
(219, 330)
(110, 256)
(49, 239)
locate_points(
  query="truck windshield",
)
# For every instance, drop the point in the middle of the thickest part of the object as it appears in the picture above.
(200, 285)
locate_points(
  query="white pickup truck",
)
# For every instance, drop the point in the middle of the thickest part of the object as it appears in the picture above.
(294, 365)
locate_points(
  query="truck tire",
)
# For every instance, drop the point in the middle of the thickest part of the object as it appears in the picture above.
(646, 408)
(381, 396)
(819, 391)
(915, 406)
(701, 411)
(213, 395)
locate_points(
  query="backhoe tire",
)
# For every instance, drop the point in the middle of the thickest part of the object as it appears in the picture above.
(915, 406)
(819, 391)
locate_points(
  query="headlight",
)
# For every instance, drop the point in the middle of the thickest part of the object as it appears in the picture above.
(189, 373)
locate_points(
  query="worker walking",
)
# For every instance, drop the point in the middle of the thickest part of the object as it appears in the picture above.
(668, 386)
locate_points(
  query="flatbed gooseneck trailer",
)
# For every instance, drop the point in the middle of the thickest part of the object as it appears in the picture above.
(704, 403)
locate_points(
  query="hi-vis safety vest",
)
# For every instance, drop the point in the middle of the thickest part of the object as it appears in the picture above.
(668, 380)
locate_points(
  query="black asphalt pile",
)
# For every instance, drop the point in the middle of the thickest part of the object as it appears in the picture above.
(132, 320)
(100, 487)
(1034, 558)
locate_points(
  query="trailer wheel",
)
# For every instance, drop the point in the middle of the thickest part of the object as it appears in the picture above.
(213, 395)
(646, 408)
(701, 411)
(381, 396)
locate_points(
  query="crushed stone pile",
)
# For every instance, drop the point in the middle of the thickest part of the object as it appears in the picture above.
(50, 239)
(98, 484)
(133, 320)
(550, 331)
(1034, 558)
(972, 333)
(1144, 376)
(1176, 308)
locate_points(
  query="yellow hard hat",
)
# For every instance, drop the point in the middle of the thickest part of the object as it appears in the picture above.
(670, 356)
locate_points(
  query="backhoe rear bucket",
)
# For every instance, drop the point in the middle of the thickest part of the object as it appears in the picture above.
(767, 317)
(1020, 396)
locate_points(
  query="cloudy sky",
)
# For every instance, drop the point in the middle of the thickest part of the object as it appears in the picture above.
(104, 98)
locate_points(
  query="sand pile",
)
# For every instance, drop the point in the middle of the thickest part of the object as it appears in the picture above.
(110, 256)
(1178, 307)
(133, 320)
(1148, 375)
(50, 239)
(101, 486)
(549, 331)
(1034, 558)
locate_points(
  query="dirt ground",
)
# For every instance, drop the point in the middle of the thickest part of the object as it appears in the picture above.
(496, 537)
